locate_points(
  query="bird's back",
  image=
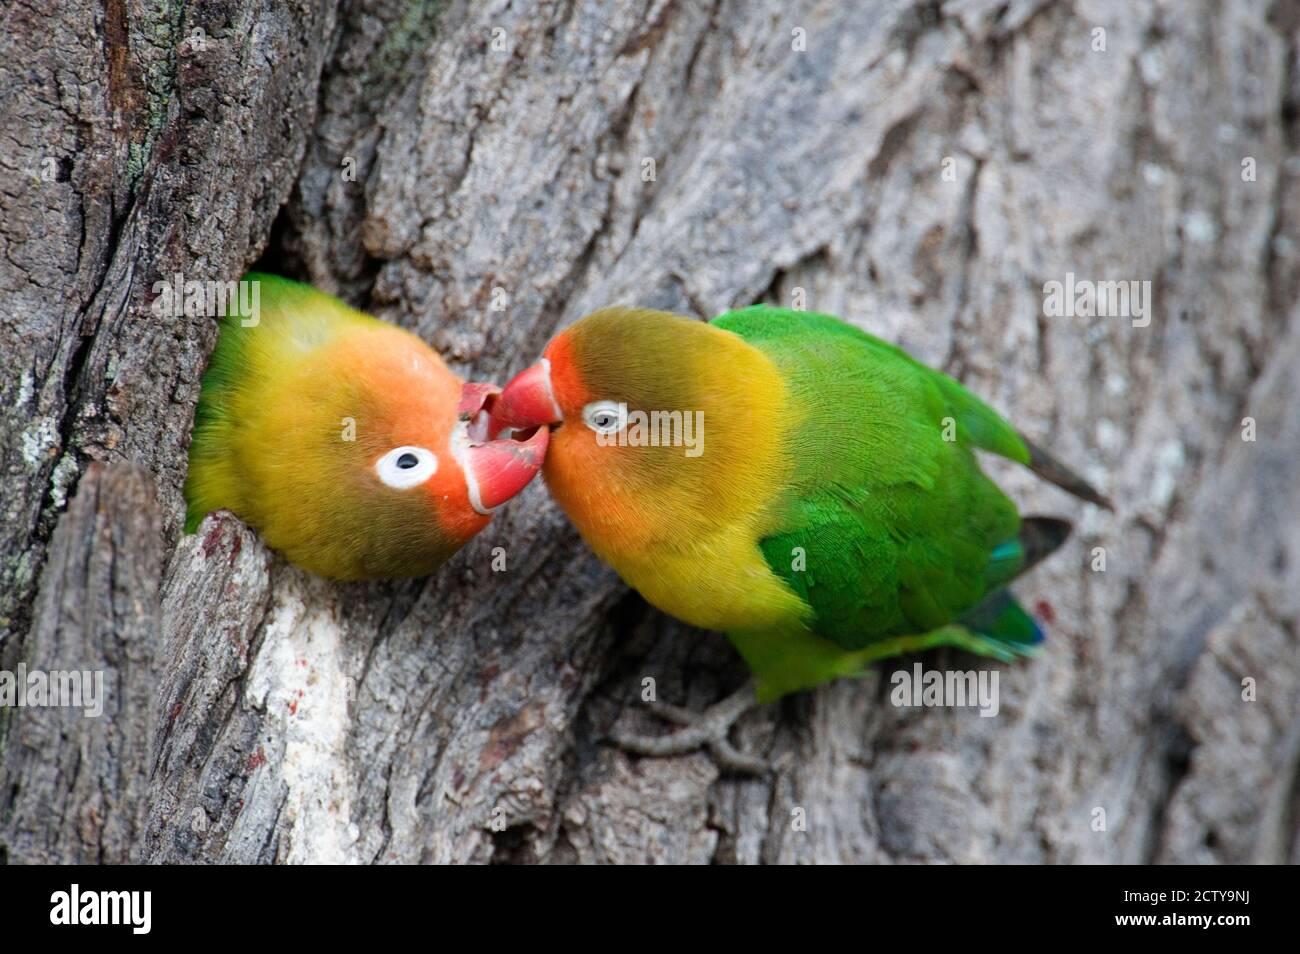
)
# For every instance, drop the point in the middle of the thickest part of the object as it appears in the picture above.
(255, 355)
(888, 525)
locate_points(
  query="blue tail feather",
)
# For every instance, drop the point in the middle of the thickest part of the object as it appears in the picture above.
(1003, 626)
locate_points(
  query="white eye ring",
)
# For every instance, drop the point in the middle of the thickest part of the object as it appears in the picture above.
(605, 417)
(405, 467)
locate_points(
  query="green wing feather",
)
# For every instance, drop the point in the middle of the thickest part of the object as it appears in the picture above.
(886, 530)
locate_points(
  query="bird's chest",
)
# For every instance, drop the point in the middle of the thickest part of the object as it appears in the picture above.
(720, 582)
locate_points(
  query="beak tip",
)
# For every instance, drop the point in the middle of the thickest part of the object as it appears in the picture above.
(474, 395)
(500, 469)
(527, 401)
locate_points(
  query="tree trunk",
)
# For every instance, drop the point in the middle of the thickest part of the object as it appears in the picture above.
(921, 169)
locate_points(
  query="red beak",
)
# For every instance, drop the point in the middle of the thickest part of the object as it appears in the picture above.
(527, 401)
(494, 470)
(473, 396)
(498, 470)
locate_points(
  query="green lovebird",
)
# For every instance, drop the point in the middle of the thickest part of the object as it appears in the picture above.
(790, 480)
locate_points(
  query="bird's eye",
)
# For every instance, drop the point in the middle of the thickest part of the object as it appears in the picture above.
(405, 467)
(604, 417)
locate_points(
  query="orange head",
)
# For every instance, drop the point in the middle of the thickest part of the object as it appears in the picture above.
(347, 442)
(630, 394)
(420, 475)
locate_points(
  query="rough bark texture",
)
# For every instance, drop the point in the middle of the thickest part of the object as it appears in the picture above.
(259, 714)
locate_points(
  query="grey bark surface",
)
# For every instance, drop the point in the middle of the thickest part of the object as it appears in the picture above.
(259, 714)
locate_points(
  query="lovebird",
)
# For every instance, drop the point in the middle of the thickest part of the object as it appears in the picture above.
(790, 480)
(345, 441)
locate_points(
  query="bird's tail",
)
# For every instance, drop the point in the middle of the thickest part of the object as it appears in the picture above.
(998, 626)
(1040, 537)
(1053, 471)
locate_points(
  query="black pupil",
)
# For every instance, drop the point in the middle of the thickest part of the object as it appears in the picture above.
(407, 461)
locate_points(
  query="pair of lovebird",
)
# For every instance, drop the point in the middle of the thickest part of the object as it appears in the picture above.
(837, 514)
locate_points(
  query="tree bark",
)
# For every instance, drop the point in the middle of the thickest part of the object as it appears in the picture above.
(920, 169)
